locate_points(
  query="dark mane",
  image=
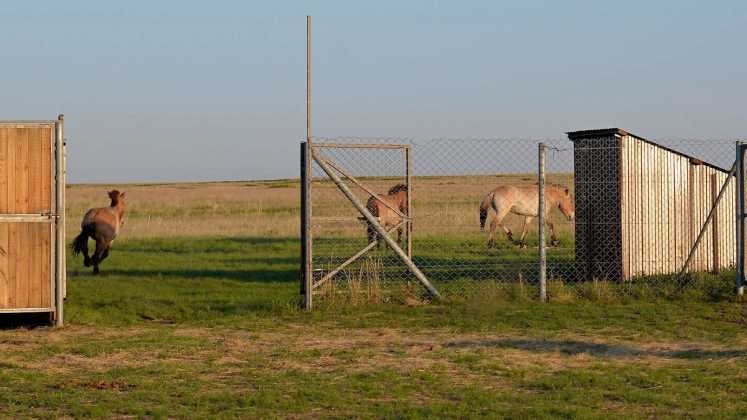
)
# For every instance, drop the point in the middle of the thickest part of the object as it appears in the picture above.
(397, 188)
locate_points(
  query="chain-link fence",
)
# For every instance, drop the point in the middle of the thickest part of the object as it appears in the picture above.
(623, 217)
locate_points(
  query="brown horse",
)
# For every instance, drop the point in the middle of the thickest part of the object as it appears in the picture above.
(396, 198)
(524, 201)
(102, 225)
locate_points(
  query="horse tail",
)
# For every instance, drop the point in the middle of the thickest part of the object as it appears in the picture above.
(80, 243)
(487, 202)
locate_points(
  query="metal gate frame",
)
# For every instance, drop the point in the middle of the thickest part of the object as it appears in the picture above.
(739, 168)
(310, 154)
(56, 220)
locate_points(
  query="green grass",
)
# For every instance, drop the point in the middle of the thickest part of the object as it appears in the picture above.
(210, 327)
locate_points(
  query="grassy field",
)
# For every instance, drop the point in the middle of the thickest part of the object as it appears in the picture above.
(196, 315)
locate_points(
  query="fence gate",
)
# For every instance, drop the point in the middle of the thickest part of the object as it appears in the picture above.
(343, 221)
(32, 251)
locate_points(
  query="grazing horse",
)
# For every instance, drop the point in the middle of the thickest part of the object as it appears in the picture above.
(524, 201)
(102, 225)
(396, 198)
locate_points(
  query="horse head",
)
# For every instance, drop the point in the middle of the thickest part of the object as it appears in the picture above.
(397, 188)
(565, 204)
(116, 197)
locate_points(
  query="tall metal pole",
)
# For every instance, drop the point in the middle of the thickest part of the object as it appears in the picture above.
(541, 226)
(739, 168)
(60, 221)
(306, 174)
(308, 80)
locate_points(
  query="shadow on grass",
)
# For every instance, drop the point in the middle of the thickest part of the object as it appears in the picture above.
(204, 245)
(247, 275)
(575, 347)
(29, 320)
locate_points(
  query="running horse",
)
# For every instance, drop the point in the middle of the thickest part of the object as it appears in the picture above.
(102, 225)
(382, 207)
(524, 201)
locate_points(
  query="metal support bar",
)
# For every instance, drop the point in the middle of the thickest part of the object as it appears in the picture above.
(408, 181)
(364, 188)
(740, 210)
(361, 146)
(306, 239)
(375, 223)
(60, 224)
(352, 259)
(541, 227)
(28, 218)
(703, 228)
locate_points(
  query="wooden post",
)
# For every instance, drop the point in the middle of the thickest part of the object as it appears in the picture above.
(715, 224)
(408, 177)
(541, 227)
(59, 222)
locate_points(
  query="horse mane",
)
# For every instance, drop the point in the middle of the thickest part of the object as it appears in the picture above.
(397, 188)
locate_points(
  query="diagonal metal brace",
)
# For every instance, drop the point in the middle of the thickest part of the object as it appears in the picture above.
(352, 259)
(364, 188)
(703, 228)
(375, 223)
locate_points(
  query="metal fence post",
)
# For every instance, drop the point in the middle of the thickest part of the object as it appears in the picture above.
(408, 177)
(739, 168)
(306, 240)
(60, 222)
(541, 226)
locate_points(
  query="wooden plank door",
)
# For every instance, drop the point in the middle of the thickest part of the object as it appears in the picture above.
(27, 240)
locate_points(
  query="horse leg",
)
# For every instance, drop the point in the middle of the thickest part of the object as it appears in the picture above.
(84, 250)
(500, 214)
(370, 233)
(522, 243)
(97, 255)
(491, 234)
(106, 252)
(553, 238)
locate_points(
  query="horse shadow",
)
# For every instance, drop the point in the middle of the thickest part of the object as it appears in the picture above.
(603, 350)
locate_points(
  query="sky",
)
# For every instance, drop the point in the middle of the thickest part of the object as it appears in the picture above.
(196, 91)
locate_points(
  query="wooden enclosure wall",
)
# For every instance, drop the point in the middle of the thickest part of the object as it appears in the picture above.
(640, 207)
(27, 201)
(666, 198)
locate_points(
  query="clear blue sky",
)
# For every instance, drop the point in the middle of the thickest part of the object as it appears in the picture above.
(156, 91)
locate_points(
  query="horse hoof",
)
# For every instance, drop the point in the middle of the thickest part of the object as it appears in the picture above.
(522, 245)
(554, 243)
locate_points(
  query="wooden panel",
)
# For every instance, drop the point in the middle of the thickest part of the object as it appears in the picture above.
(624, 228)
(638, 221)
(4, 274)
(25, 169)
(26, 187)
(25, 277)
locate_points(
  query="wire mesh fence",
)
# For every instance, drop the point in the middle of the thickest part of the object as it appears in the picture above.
(623, 216)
